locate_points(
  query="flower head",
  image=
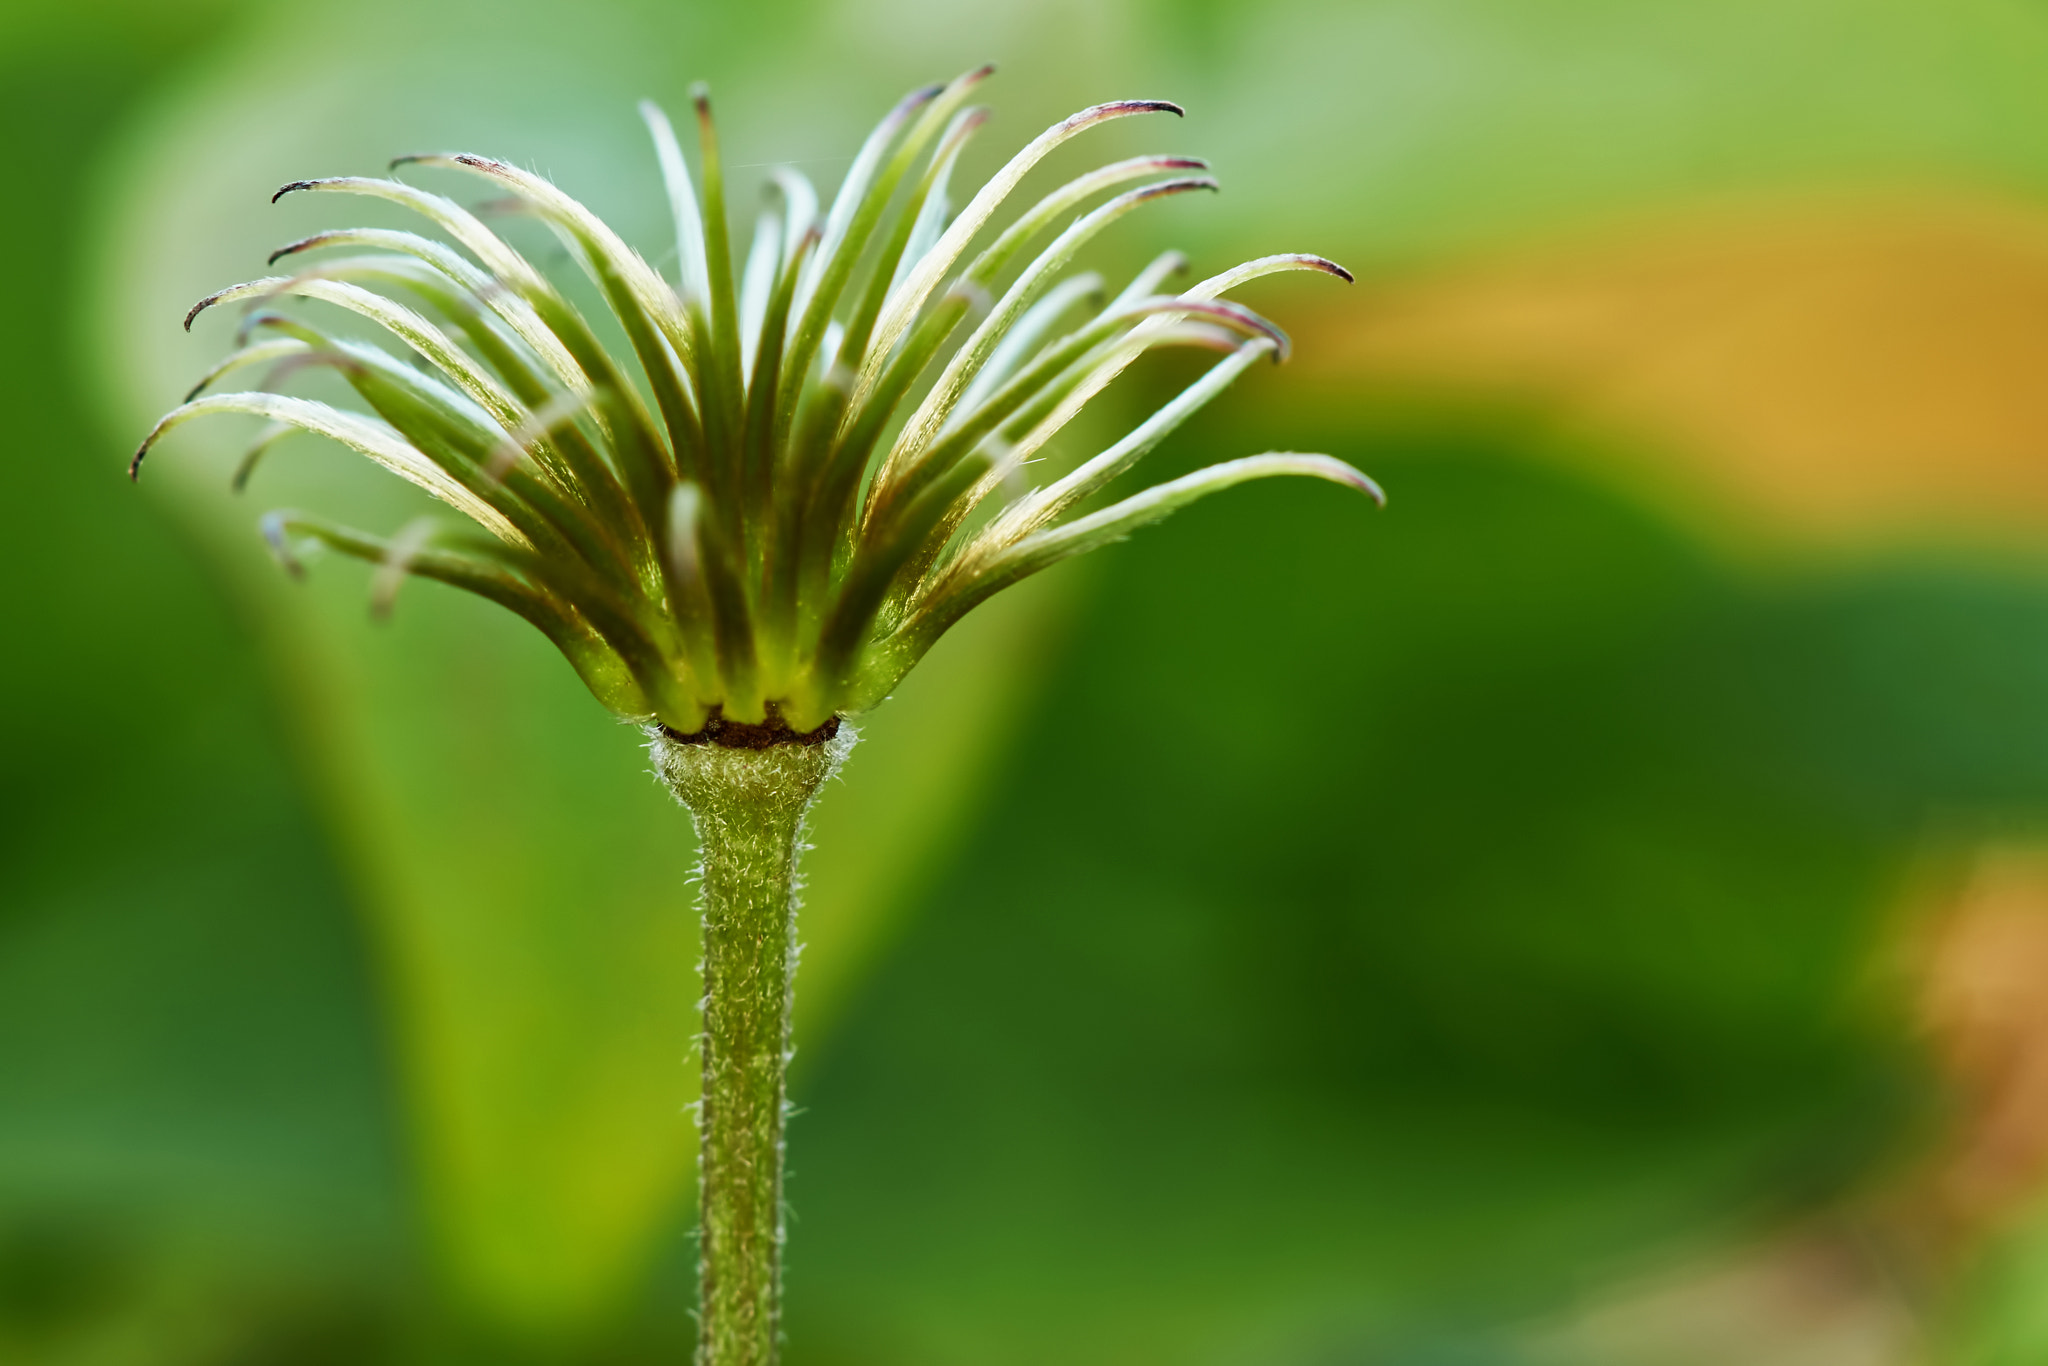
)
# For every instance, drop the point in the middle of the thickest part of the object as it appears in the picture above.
(808, 469)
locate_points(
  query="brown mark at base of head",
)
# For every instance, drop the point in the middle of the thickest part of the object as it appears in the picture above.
(743, 735)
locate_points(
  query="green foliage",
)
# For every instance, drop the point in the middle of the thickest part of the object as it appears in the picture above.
(193, 1079)
(1291, 1037)
(237, 1022)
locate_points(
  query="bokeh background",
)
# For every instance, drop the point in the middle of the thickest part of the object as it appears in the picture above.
(1593, 913)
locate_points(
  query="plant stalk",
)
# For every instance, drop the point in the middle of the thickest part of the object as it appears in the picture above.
(749, 806)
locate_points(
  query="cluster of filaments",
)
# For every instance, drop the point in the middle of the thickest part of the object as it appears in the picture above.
(743, 522)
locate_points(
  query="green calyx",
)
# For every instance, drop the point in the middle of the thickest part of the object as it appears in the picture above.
(804, 472)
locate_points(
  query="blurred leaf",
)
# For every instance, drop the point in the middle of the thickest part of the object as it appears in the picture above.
(1395, 921)
(191, 1087)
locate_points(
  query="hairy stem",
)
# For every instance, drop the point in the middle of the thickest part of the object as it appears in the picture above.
(749, 806)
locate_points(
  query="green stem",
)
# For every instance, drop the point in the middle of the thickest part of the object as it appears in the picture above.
(749, 807)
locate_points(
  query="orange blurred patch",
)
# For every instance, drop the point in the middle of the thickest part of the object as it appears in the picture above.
(1835, 370)
(1985, 1003)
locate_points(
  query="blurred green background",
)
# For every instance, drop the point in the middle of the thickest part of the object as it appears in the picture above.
(1589, 914)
